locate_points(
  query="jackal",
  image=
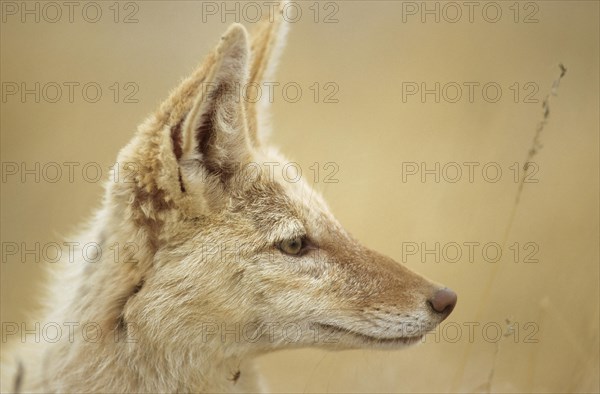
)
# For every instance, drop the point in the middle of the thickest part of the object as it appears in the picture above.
(221, 256)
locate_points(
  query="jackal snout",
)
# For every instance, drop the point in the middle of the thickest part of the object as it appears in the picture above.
(381, 302)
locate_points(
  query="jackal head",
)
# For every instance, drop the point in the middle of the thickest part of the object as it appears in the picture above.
(231, 251)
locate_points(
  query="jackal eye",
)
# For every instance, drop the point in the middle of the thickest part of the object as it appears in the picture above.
(292, 246)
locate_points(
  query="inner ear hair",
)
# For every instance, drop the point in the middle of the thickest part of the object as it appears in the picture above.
(177, 142)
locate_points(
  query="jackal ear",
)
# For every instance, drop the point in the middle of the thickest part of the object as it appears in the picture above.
(267, 44)
(214, 134)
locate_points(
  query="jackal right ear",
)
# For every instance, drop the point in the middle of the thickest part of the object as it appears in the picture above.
(267, 44)
(212, 138)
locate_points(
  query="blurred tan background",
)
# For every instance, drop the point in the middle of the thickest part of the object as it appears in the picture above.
(368, 51)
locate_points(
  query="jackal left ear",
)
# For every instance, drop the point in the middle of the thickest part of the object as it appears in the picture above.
(214, 133)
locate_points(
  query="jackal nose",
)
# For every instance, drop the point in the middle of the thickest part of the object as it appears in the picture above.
(443, 301)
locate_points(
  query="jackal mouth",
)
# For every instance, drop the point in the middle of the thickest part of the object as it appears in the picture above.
(368, 339)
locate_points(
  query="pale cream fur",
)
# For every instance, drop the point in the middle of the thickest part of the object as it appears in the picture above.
(193, 194)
